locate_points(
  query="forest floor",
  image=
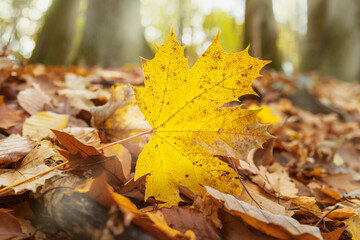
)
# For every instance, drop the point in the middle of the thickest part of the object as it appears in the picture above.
(304, 183)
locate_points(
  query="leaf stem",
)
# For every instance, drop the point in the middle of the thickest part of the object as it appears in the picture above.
(66, 162)
(124, 140)
(242, 183)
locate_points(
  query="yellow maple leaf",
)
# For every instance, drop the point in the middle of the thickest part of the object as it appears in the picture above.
(189, 127)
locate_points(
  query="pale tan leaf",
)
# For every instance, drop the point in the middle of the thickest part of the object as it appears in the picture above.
(13, 148)
(81, 98)
(282, 227)
(266, 204)
(74, 81)
(279, 179)
(33, 99)
(38, 126)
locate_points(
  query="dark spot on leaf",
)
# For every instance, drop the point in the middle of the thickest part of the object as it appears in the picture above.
(156, 146)
(187, 175)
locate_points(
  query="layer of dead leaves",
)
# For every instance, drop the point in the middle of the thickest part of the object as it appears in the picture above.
(306, 180)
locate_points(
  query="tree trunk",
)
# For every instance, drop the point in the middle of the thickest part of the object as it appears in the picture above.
(113, 34)
(313, 49)
(332, 41)
(54, 42)
(260, 31)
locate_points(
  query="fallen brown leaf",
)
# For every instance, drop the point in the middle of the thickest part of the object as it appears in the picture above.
(9, 226)
(9, 117)
(342, 213)
(83, 157)
(334, 235)
(6, 65)
(186, 218)
(99, 190)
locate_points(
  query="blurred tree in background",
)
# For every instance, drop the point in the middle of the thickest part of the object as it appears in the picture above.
(54, 42)
(261, 32)
(298, 35)
(332, 41)
(113, 34)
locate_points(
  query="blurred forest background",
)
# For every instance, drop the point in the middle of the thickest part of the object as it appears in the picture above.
(297, 35)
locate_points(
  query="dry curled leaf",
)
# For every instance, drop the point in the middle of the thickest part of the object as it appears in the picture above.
(282, 227)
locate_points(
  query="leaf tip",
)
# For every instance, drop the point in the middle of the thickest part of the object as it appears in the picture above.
(143, 60)
(266, 62)
(172, 31)
(217, 37)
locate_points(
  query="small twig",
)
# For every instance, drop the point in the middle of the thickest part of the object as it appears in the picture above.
(66, 162)
(322, 219)
(242, 183)
(124, 140)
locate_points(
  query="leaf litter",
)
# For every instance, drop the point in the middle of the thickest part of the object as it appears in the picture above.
(306, 180)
